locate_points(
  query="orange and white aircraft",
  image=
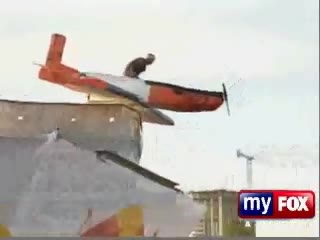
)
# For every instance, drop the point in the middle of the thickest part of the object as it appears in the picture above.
(142, 95)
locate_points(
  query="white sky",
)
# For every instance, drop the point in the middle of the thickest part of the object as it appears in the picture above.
(272, 45)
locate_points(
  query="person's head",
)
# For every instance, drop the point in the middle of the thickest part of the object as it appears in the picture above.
(150, 58)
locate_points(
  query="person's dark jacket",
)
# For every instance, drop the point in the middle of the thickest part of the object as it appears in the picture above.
(135, 67)
(138, 66)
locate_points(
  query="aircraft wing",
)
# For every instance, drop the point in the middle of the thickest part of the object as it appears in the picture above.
(143, 96)
(120, 95)
(150, 114)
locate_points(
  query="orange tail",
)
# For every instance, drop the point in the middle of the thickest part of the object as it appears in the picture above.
(56, 48)
(53, 70)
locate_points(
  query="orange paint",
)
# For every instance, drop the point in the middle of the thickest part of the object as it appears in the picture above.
(107, 228)
(163, 96)
(92, 82)
(56, 72)
(56, 48)
(182, 100)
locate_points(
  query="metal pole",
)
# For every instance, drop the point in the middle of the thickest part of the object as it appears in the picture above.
(220, 215)
(249, 160)
(249, 173)
(249, 183)
(212, 217)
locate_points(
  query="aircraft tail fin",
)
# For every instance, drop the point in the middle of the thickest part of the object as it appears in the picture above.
(56, 48)
(53, 61)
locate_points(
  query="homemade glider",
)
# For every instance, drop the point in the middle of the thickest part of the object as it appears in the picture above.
(142, 95)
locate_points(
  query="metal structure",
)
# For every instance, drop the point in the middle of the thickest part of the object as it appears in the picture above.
(249, 160)
(221, 217)
(47, 183)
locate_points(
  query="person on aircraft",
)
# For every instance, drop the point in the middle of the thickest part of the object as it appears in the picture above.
(138, 66)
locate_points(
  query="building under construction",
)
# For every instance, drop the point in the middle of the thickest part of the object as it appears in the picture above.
(221, 216)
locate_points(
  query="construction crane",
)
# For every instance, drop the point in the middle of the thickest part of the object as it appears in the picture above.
(249, 160)
(248, 166)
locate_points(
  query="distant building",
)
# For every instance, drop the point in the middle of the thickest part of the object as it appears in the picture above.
(221, 217)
